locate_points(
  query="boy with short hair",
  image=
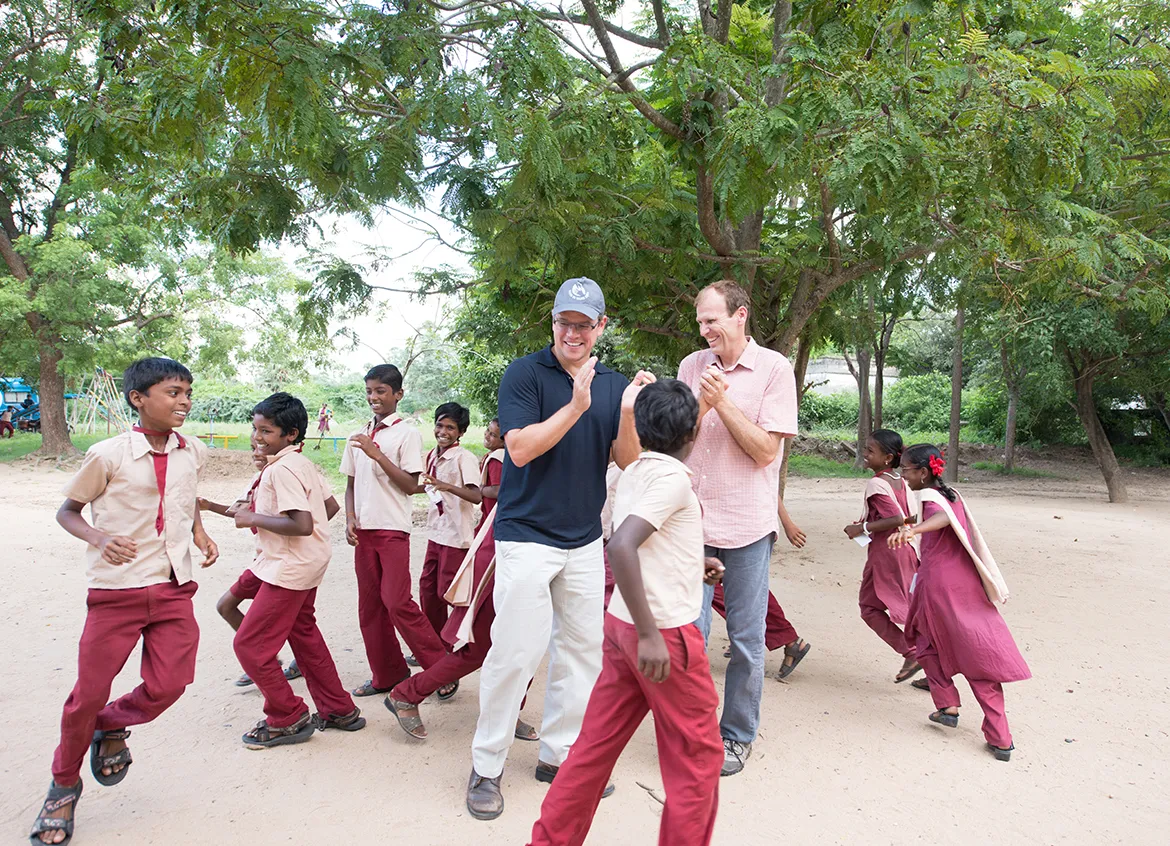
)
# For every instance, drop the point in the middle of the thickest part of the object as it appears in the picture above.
(291, 523)
(6, 421)
(247, 585)
(383, 462)
(654, 658)
(451, 482)
(140, 486)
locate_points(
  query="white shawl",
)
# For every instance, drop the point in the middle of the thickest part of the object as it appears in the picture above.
(464, 592)
(877, 485)
(972, 540)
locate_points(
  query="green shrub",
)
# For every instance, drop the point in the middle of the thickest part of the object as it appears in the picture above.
(918, 403)
(828, 411)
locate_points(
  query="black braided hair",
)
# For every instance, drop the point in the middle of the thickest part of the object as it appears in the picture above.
(891, 442)
(919, 455)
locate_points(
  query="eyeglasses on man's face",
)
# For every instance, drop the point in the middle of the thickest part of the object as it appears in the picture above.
(566, 326)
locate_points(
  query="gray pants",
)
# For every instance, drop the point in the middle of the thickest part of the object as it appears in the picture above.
(745, 592)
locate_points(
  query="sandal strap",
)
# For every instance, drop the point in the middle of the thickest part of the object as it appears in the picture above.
(115, 734)
(46, 824)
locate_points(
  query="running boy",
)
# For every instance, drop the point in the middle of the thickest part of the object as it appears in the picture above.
(654, 657)
(383, 462)
(140, 486)
(246, 586)
(292, 535)
(452, 483)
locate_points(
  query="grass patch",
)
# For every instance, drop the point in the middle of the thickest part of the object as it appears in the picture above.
(997, 467)
(26, 443)
(818, 467)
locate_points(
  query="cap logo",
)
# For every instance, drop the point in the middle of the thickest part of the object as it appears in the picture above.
(578, 292)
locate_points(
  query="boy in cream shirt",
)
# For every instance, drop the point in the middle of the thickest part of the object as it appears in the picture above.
(654, 657)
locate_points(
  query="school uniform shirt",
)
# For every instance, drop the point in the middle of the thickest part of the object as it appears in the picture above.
(118, 480)
(379, 503)
(292, 482)
(456, 525)
(657, 488)
(612, 475)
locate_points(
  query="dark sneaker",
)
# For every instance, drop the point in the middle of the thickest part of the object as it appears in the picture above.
(484, 799)
(735, 754)
(547, 772)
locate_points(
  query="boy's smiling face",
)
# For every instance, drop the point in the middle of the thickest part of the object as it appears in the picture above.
(164, 405)
(491, 437)
(382, 398)
(446, 432)
(267, 438)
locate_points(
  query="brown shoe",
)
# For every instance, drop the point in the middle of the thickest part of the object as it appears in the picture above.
(484, 799)
(547, 772)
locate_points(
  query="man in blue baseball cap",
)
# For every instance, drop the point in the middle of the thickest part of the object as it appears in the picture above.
(562, 414)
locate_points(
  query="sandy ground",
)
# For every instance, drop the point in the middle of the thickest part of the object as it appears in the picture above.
(844, 755)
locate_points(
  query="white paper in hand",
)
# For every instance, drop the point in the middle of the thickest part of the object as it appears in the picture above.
(434, 495)
(862, 540)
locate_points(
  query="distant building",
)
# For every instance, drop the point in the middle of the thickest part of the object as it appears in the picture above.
(830, 375)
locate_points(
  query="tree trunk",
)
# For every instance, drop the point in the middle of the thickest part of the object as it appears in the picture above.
(864, 404)
(54, 424)
(800, 370)
(879, 364)
(1098, 440)
(951, 474)
(1009, 435)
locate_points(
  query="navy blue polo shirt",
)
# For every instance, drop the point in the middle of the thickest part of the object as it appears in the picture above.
(556, 499)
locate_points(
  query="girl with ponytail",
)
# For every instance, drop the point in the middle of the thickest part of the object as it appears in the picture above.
(884, 598)
(953, 620)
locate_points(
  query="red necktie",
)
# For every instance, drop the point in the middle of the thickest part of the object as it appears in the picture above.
(433, 469)
(160, 472)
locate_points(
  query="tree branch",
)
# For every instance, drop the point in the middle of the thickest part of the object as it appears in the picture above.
(624, 34)
(723, 21)
(714, 230)
(660, 23)
(776, 88)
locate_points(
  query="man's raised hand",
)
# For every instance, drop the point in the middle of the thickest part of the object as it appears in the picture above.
(582, 382)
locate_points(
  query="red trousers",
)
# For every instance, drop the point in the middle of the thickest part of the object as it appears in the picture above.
(610, 582)
(278, 614)
(6, 427)
(877, 616)
(989, 694)
(778, 631)
(690, 750)
(439, 568)
(162, 616)
(453, 666)
(382, 562)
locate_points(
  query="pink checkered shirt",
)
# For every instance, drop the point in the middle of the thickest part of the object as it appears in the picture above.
(738, 496)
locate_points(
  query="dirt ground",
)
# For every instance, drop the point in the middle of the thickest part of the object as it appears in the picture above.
(844, 755)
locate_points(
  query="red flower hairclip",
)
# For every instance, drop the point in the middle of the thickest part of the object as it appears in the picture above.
(937, 465)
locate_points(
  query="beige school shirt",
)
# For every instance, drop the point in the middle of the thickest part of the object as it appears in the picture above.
(292, 482)
(117, 480)
(456, 525)
(657, 488)
(378, 502)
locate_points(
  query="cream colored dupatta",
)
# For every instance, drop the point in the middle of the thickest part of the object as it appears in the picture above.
(877, 485)
(993, 582)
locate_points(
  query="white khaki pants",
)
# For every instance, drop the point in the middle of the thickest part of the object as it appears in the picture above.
(546, 599)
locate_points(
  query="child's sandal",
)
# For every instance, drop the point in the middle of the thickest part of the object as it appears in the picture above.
(58, 799)
(353, 721)
(945, 719)
(447, 691)
(98, 761)
(411, 724)
(264, 736)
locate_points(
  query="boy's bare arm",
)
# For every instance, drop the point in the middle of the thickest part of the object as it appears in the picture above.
(213, 507)
(115, 549)
(490, 492)
(468, 493)
(405, 482)
(350, 514)
(289, 523)
(204, 542)
(653, 656)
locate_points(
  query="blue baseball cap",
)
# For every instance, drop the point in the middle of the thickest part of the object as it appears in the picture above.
(580, 294)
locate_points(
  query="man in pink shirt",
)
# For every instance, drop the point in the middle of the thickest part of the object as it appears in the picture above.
(747, 406)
